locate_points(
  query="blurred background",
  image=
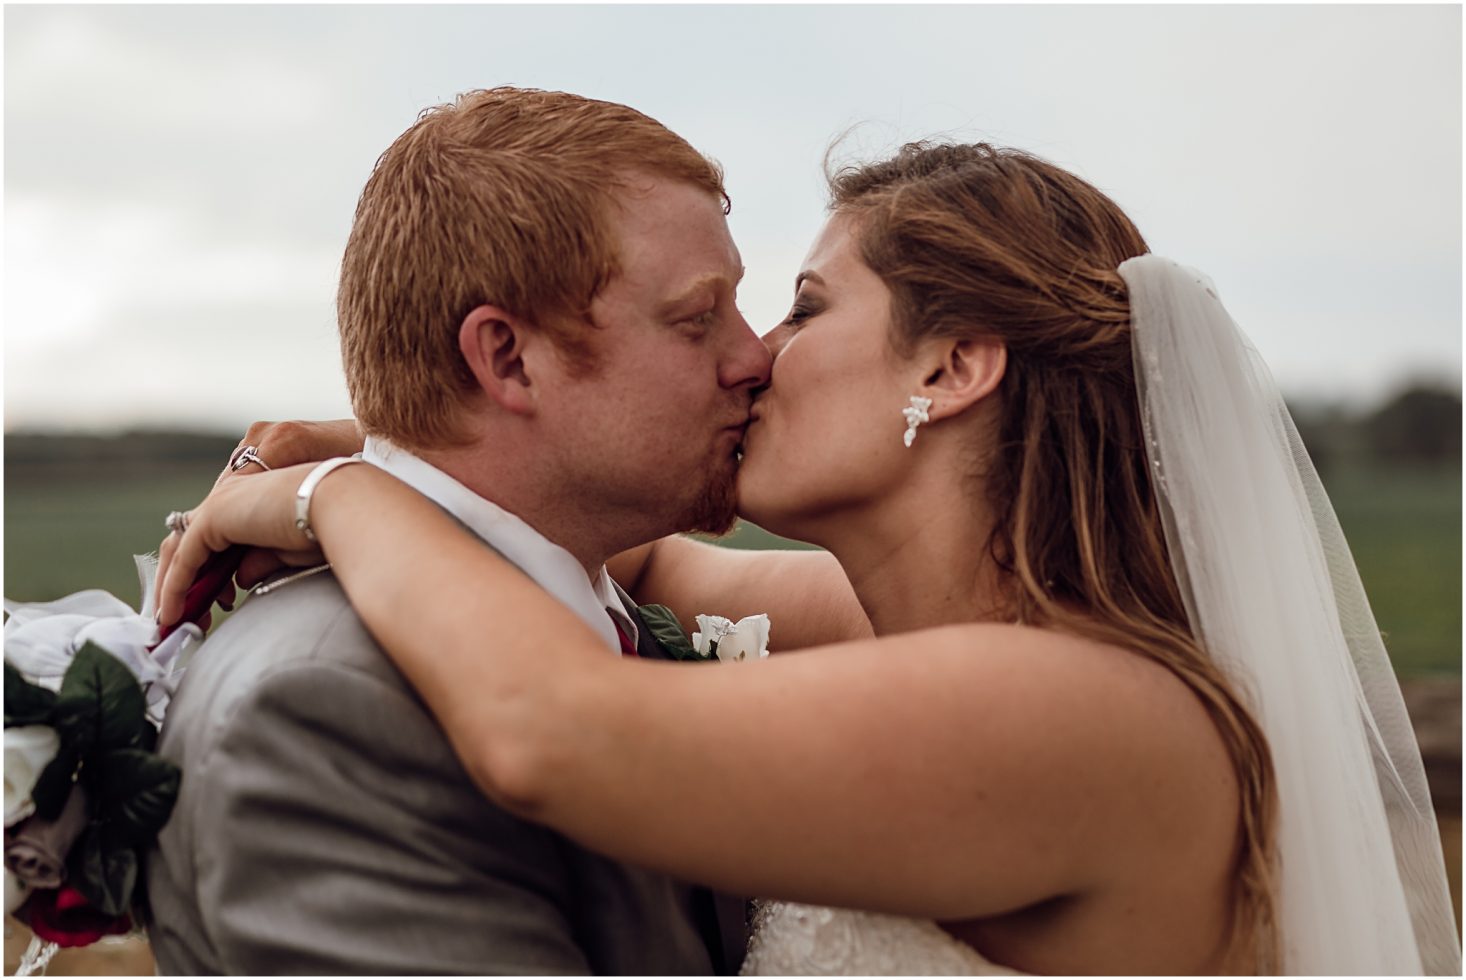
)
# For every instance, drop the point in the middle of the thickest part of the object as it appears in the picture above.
(180, 181)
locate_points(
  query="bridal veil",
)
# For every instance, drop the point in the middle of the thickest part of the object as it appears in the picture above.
(1274, 597)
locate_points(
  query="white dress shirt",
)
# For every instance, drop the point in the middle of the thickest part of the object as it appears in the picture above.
(555, 569)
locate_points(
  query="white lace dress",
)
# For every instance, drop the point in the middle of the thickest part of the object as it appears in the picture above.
(808, 940)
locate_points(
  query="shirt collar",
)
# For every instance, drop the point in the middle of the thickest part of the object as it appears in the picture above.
(550, 565)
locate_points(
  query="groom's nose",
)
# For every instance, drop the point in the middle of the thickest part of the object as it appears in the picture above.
(775, 340)
(746, 361)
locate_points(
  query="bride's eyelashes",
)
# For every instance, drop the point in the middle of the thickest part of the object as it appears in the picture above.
(801, 312)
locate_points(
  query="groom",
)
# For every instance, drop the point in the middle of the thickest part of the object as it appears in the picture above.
(538, 326)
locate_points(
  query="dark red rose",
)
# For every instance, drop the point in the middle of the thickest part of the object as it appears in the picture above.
(64, 917)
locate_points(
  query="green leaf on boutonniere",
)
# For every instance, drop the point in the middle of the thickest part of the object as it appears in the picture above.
(100, 705)
(26, 703)
(668, 632)
(135, 791)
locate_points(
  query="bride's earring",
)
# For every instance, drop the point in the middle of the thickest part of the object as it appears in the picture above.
(915, 415)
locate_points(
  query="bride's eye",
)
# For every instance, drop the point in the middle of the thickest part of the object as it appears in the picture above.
(799, 314)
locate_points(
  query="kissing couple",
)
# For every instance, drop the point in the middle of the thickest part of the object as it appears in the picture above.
(1082, 681)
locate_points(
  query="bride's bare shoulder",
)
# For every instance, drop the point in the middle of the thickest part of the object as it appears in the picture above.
(1090, 694)
(1057, 661)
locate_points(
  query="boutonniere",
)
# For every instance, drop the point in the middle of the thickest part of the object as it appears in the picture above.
(716, 639)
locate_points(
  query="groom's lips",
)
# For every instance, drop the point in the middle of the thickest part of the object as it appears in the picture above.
(741, 430)
(742, 424)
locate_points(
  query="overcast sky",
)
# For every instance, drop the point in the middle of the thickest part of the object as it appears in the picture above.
(179, 181)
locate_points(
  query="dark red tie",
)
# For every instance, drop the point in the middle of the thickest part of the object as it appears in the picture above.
(628, 649)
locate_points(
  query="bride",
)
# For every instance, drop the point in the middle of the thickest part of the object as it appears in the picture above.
(1125, 709)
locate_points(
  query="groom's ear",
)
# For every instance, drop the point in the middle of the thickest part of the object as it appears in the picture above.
(492, 342)
(962, 373)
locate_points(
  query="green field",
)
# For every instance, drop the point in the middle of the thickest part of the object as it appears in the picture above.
(69, 527)
(1404, 527)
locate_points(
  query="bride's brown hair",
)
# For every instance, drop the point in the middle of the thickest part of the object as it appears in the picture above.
(978, 241)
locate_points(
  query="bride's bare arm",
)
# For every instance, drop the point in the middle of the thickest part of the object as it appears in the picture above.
(953, 773)
(805, 592)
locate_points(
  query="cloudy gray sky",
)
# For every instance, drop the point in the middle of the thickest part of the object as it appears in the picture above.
(179, 181)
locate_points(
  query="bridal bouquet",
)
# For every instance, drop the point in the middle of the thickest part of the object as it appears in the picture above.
(86, 682)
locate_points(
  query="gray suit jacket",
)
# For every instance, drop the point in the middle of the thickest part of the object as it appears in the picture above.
(324, 826)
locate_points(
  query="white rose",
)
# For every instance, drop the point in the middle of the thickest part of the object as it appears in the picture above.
(28, 750)
(747, 639)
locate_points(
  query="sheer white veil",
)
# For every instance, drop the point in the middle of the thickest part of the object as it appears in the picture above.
(1274, 598)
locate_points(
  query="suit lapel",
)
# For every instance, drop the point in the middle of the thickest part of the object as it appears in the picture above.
(646, 644)
(723, 919)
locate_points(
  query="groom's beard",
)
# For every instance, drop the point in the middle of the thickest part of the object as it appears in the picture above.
(716, 508)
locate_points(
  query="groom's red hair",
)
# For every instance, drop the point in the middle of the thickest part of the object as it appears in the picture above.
(501, 197)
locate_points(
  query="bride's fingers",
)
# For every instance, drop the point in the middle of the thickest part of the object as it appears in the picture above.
(257, 566)
(259, 511)
(165, 558)
(256, 435)
(226, 598)
(284, 444)
(188, 557)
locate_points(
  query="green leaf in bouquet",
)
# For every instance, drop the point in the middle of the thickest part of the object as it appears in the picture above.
(100, 705)
(135, 792)
(141, 911)
(26, 703)
(53, 786)
(668, 632)
(104, 870)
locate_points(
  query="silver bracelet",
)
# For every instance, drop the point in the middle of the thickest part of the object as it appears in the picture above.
(308, 488)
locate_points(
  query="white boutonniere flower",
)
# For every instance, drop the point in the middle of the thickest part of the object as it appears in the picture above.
(747, 639)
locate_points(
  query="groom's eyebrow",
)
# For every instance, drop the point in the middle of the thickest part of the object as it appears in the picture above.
(699, 288)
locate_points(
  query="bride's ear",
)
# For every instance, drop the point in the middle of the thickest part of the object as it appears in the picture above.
(965, 372)
(493, 342)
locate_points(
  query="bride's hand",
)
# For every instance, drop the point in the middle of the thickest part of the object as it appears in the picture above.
(282, 444)
(259, 512)
(279, 445)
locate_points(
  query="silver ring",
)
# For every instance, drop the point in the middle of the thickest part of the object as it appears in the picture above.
(177, 521)
(245, 455)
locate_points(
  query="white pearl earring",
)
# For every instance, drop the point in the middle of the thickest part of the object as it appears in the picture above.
(915, 415)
